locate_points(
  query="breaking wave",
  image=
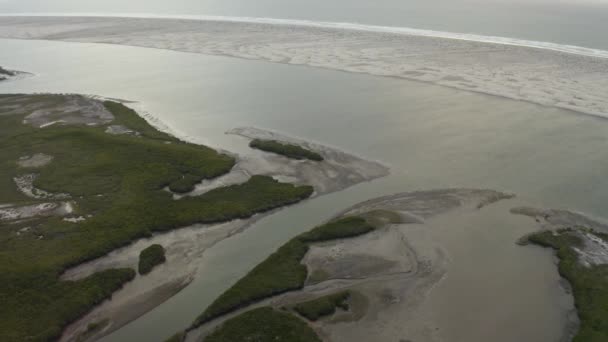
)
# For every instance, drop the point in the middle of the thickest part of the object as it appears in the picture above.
(572, 49)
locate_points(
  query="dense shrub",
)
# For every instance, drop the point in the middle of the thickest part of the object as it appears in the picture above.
(150, 257)
(264, 324)
(285, 149)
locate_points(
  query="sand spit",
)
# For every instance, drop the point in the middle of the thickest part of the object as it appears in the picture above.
(391, 270)
(594, 250)
(338, 170)
(186, 247)
(557, 219)
(548, 74)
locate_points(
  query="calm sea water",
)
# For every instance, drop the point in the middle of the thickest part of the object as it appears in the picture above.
(574, 22)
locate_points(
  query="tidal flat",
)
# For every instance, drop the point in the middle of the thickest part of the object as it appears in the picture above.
(389, 272)
(112, 188)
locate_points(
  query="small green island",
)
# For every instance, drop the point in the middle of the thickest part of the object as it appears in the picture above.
(91, 191)
(288, 150)
(150, 257)
(589, 281)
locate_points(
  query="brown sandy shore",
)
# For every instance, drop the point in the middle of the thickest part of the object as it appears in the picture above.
(575, 78)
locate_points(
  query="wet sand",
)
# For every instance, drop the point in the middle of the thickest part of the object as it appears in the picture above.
(417, 282)
(543, 73)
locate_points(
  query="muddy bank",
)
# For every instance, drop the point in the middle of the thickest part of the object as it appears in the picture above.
(394, 271)
(186, 247)
(337, 171)
(557, 218)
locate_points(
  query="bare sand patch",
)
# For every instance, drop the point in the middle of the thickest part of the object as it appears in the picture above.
(568, 77)
(391, 270)
(16, 213)
(34, 161)
(25, 184)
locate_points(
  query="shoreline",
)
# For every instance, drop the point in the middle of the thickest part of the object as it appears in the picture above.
(186, 246)
(396, 268)
(547, 45)
(547, 77)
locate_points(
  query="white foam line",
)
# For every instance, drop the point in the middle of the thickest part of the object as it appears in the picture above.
(572, 49)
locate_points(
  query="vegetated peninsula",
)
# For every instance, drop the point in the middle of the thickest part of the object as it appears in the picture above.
(81, 177)
(285, 149)
(582, 258)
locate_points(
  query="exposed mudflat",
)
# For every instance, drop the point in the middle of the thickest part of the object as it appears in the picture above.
(558, 218)
(394, 273)
(594, 250)
(185, 247)
(337, 171)
(549, 74)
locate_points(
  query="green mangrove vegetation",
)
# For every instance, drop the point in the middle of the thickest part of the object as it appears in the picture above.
(150, 257)
(281, 271)
(264, 324)
(288, 150)
(323, 306)
(589, 282)
(116, 183)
